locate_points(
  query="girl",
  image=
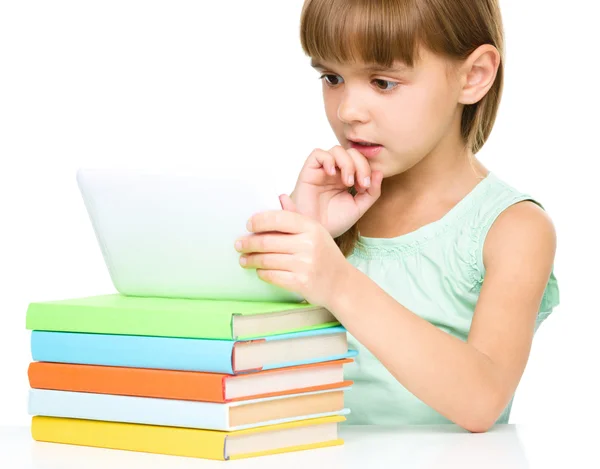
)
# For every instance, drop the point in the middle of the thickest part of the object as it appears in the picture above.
(440, 271)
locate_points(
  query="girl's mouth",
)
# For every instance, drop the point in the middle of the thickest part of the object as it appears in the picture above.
(367, 150)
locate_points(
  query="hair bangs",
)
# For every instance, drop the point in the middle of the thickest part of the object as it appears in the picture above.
(360, 31)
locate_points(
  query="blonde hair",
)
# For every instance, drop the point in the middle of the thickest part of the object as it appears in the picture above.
(382, 31)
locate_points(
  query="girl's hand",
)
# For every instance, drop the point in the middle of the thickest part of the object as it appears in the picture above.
(294, 252)
(321, 191)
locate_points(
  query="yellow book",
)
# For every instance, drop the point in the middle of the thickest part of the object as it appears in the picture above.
(190, 442)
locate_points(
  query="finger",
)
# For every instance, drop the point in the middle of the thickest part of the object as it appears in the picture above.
(280, 278)
(283, 221)
(366, 199)
(322, 159)
(287, 203)
(276, 242)
(346, 163)
(363, 169)
(269, 261)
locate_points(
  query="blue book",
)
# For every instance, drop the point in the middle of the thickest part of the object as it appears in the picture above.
(208, 355)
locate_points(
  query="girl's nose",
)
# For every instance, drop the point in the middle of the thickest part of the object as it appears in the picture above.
(352, 108)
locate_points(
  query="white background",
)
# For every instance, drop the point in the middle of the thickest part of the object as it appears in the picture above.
(225, 87)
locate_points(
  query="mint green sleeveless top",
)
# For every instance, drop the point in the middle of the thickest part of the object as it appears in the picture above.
(436, 272)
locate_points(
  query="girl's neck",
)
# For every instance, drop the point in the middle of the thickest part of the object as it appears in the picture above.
(434, 176)
(423, 194)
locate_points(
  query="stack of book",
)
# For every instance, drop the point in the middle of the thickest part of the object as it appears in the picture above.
(211, 379)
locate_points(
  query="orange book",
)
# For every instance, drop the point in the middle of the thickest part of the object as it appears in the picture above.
(187, 385)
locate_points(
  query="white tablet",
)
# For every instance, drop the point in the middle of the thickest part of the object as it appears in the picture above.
(172, 235)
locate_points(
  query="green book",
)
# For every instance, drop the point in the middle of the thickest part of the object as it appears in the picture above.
(167, 317)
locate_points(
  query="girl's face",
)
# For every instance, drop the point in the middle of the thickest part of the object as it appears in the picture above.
(409, 111)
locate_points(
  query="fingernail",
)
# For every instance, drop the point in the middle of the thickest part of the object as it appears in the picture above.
(238, 245)
(243, 260)
(367, 181)
(351, 179)
(249, 225)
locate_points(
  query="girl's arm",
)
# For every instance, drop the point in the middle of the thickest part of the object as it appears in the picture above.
(468, 382)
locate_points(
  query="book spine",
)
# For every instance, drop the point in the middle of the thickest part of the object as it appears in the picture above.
(132, 437)
(121, 320)
(142, 382)
(213, 356)
(129, 409)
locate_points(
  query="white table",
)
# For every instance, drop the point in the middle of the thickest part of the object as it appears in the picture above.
(443, 446)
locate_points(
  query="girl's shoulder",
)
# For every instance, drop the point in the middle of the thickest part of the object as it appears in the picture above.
(523, 215)
(501, 198)
(496, 196)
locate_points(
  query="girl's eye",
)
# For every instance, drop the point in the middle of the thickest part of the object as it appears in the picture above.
(384, 82)
(383, 85)
(326, 76)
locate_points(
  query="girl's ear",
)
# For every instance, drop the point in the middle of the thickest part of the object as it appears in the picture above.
(478, 73)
